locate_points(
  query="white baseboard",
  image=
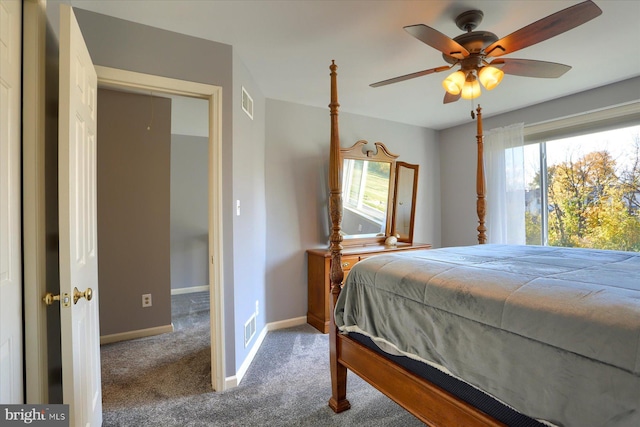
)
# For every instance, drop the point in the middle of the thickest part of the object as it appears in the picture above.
(180, 291)
(234, 381)
(140, 333)
(289, 323)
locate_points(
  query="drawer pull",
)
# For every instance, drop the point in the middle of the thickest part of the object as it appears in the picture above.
(345, 264)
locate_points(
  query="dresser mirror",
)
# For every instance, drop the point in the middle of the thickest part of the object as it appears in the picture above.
(368, 190)
(404, 210)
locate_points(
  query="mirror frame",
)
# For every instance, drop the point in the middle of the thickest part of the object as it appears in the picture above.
(399, 166)
(381, 154)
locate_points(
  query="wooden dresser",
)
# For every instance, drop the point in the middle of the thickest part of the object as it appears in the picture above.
(318, 276)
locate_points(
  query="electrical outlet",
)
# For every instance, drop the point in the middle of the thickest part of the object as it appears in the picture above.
(257, 307)
(146, 300)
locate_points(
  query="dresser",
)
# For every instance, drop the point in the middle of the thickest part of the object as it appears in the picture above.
(319, 286)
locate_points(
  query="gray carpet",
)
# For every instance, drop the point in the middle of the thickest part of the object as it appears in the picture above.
(165, 381)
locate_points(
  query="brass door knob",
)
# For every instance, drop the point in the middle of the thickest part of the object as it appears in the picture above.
(50, 298)
(88, 294)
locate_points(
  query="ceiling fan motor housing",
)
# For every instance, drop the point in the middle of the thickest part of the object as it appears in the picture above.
(474, 42)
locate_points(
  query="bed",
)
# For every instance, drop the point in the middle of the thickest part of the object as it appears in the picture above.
(488, 335)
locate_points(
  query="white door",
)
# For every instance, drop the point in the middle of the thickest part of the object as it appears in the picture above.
(11, 390)
(81, 384)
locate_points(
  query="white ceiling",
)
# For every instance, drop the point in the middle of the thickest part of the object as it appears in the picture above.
(288, 46)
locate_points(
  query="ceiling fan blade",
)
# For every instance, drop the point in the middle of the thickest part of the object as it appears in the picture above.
(448, 98)
(545, 28)
(410, 76)
(530, 68)
(437, 40)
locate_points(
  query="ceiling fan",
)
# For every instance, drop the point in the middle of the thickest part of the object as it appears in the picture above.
(472, 50)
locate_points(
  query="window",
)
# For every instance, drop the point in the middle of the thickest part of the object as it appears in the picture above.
(584, 191)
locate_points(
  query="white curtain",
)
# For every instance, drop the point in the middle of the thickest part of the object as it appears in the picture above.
(504, 171)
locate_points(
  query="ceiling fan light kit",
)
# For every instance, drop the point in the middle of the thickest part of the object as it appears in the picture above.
(471, 50)
(453, 84)
(490, 77)
(471, 88)
(466, 85)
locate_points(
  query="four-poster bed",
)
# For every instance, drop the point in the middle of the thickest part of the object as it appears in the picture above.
(480, 351)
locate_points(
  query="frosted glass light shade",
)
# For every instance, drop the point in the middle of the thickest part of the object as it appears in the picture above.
(471, 88)
(490, 77)
(454, 82)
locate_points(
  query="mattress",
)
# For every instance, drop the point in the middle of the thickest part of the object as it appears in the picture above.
(552, 332)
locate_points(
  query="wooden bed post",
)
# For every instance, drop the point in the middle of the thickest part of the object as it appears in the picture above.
(338, 401)
(480, 182)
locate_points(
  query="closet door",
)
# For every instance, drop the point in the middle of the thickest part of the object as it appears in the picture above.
(11, 367)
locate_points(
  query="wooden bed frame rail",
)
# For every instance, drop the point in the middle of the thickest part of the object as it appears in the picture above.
(428, 402)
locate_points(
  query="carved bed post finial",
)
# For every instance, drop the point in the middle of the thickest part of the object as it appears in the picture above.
(338, 401)
(480, 182)
(335, 185)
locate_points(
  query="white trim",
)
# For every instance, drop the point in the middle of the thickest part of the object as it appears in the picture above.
(191, 290)
(583, 122)
(289, 323)
(122, 78)
(234, 380)
(113, 77)
(33, 193)
(139, 333)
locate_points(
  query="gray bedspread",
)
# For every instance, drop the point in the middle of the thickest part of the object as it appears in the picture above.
(552, 332)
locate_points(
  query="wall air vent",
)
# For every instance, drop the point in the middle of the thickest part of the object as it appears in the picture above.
(247, 103)
(249, 329)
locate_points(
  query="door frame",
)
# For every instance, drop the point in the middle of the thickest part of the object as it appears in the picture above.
(33, 200)
(113, 77)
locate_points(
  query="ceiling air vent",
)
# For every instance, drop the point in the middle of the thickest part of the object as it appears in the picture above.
(247, 103)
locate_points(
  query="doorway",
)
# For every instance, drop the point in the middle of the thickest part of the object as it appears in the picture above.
(189, 193)
(114, 78)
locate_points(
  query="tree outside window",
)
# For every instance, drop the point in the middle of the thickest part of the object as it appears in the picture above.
(592, 191)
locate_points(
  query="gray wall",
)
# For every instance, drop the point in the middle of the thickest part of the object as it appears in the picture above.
(133, 211)
(297, 158)
(189, 211)
(458, 152)
(249, 228)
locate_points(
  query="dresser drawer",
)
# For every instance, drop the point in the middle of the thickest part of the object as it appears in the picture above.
(349, 261)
